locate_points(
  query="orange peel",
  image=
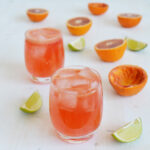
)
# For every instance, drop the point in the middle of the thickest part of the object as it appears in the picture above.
(128, 80)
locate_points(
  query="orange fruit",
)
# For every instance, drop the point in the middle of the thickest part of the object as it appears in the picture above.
(37, 14)
(128, 80)
(111, 50)
(129, 20)
(79, 25)
(98, 8)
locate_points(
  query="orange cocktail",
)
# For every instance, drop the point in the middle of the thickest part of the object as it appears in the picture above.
(76, 103)
(44, 53)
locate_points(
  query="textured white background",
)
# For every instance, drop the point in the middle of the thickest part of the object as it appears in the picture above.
(19, 131)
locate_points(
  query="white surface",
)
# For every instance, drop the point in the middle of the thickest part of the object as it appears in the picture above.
(19, 131)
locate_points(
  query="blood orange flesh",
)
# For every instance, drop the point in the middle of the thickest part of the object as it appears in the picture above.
(79, 21)
(37, 10)
(129, 15)
(98, 5)
(108, 44)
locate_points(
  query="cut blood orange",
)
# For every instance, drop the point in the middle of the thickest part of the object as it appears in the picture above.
(37, 14)
(129, 20)
(79, 25)
(111, 50)
(97, 8)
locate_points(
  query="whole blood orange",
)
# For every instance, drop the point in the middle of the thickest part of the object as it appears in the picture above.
(79, 25)
(98, 8)
(128, 80)
(129, 20)
(111, 50)
(37, 14)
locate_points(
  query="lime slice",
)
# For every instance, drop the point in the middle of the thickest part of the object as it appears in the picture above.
(129, 132)
(33, 103)
(135, 45)
(77, 45)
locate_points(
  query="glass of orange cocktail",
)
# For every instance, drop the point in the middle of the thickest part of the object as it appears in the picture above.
(44, 53)
(76, 103)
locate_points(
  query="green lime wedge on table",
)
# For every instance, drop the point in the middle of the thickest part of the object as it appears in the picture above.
(129, 132)
(77, 45)
(33, 103)
(135, 45)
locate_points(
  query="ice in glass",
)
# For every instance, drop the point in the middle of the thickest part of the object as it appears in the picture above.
(44, 53)
(76, 103)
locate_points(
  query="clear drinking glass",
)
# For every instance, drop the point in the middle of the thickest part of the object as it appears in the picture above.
(44, 53)
(76, 103)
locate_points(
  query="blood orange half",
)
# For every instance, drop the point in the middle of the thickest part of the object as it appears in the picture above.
(111, 50)
(79, 25)
(37, 14)
(98, 8)
(129, 20)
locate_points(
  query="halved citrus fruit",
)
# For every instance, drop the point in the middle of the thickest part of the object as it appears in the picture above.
(129, 20)
(130, 132)
(37, 14)
(111, 50)
(79, 25)
(98, 8)
(128, 80)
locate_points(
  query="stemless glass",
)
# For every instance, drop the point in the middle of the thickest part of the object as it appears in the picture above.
(76, 103)
(44, 53)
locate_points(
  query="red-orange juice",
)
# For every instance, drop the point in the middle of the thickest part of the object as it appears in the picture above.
(76, 103)
(44, 52)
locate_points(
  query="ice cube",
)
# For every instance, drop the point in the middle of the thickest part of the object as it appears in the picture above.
(68, 99)
(87, 73)
(38, 51)
(80, 82)
(89, 104)
(67, 73)
(94, 84)
(62, 83)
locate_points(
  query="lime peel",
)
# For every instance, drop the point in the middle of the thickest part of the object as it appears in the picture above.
(77, 45)
(135, 45)
(130, 132)
(33, 103)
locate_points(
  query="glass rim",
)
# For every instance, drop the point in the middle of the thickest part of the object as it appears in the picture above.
(92, 90)
(45, 41)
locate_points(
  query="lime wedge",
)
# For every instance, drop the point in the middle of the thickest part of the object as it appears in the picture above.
(129, 132)
(33, 103)
(77, 45)
(135, 45)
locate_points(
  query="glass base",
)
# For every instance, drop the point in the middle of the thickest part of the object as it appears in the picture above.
(75, 140)
(41, 80)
